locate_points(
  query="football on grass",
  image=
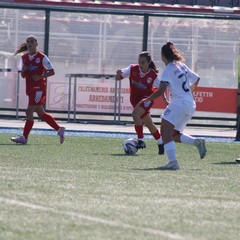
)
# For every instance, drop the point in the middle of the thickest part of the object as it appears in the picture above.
(130, 146)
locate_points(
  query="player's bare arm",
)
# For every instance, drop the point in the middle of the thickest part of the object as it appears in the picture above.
(194, 85)
(164, 96)
(155, 95)
(23, 72)
(47, 73)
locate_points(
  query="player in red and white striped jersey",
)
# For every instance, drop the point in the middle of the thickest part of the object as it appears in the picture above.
(143, 78)
(35, 67)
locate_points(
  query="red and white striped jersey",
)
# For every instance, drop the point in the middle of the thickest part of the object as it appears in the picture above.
(36, 65)
(141, 84)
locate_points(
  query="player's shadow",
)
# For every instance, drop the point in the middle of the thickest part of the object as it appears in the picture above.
(150, 169)
(11, 144)
(226, 163)
(122, 155)
(24, 145)
(160, 169)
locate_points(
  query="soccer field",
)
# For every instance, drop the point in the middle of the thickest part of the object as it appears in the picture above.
(88, 189)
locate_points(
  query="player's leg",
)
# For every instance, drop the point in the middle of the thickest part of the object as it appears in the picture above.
(181, 137)
(40, 99)
(138, 125)
(50, 121)
(154, 131)
(27, 127)
(169, 145)
(29, 121)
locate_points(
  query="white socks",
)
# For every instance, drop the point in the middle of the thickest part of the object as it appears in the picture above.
(160, 141)
(187, 139)
(170, 149)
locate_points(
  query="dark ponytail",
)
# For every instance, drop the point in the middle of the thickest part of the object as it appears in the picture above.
(149, 60)
(21, 48)
(171, 53)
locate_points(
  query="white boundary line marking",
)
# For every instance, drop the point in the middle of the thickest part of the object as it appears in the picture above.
(91, 218)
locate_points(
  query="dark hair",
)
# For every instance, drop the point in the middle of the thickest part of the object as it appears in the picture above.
(23, 46)
(149, 59)
(171, 53)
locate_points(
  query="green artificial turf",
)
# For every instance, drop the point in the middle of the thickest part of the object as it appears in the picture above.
(87, 188)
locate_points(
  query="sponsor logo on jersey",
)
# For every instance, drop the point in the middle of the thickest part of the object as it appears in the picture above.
(167, 112)
(147, 104)
(138, 85)
(149, 80)
(32, 67)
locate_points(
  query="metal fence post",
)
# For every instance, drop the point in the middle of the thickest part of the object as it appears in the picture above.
(238, 119)
(119, 101)
(75, 98)
(17, 90)
(69, 96)
(115, 102)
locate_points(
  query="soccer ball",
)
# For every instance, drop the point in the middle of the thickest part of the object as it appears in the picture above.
(130, 146)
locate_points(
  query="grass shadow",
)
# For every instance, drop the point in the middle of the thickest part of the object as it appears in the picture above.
(12, 144)
(151, 169)
(25, 145)
(122, 155)
(227, 163)
(160, 169)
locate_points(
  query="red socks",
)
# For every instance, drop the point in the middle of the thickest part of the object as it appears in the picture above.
(139, 131)
(45, 117)
(156, 135)
(27, 128)
(50, 121)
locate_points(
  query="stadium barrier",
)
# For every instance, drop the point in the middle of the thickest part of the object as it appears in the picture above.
(238, 119)
(84, 99)
(72, 94)
(112, 103)
(9, 70)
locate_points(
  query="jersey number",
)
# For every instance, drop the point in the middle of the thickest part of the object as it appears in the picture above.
(185, 89)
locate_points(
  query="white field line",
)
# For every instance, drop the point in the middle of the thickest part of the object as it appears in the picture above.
(39, 169)
(91, 218)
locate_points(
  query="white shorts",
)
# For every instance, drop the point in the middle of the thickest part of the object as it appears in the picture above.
(178, 116)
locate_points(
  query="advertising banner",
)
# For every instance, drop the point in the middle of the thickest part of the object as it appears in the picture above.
(212, 100)
(95, 97)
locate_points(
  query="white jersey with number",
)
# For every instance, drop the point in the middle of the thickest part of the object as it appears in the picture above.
(178, 77)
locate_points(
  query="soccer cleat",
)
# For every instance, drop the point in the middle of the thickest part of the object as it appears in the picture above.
(160, 149)
(200, 144)
(20, 140)
(141, 144)
(171, 166)
(61, 134)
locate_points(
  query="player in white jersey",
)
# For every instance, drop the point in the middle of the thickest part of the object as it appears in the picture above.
(181, 82)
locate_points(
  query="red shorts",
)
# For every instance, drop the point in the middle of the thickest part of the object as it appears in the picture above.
(37, 98)
(146, 106)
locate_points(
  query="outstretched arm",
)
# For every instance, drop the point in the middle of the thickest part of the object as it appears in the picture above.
(165, 98)
(23, 71)
(155, 95)
(119, 75)
(47, 73)
(194, 85)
